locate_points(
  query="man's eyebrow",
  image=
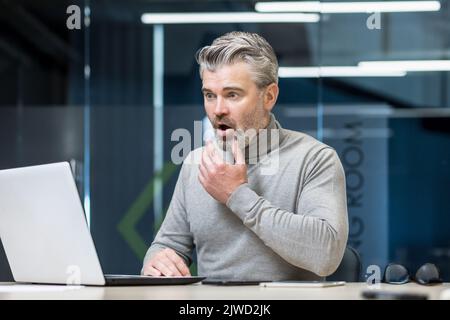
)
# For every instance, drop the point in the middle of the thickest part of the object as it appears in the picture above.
(233, 89)
(205, 90)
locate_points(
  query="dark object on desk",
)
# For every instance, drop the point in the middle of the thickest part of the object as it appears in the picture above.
(121, 280)
(350, 268)
(302, 284)
(396, 274)
(428, 274)
(389, 295)
(223, 282)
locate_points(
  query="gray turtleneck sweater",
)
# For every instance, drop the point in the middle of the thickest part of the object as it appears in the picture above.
(285, 224)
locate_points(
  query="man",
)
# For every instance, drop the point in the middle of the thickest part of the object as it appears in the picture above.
(290, 224)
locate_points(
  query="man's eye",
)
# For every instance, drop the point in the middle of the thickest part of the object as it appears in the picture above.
(209, 96)
(232, 95)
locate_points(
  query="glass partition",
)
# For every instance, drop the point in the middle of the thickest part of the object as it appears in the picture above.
(108, 94)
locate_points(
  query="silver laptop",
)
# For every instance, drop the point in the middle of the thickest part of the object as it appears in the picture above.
(45, 235)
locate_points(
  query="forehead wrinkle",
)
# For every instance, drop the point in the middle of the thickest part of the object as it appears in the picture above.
(229, 77)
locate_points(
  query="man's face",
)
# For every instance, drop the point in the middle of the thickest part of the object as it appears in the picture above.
(233, 101)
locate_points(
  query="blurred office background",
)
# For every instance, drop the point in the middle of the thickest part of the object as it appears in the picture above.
(108, 96)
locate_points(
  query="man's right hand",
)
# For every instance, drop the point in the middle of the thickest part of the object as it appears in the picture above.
(166, 263)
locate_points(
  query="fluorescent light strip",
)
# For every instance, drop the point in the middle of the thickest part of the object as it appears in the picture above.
(335, 71)
(288, 6)
(348, 7)
(407, 65)
(228, 17)
(380, 6)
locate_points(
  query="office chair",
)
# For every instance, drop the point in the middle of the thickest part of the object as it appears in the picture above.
(350, 268)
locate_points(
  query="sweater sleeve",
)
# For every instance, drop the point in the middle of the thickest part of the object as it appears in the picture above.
(315, 235)
(175, 231)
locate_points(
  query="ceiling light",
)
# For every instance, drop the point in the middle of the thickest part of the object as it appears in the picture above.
(228, 17)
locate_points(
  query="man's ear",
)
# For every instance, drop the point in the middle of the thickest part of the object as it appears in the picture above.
(270, 96)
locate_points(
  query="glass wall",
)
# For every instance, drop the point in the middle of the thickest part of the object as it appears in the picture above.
(109, 95)
(391, 130)
(42, 92)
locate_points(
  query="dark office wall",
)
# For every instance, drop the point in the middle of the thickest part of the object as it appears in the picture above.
(38, 135)
(121, 141)
(419, 179)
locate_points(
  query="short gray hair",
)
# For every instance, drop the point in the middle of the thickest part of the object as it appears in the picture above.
(246, 47)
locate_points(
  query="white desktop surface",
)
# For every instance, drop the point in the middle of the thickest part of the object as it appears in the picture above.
(204, 292)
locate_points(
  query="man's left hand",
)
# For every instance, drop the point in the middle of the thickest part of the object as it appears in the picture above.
(218, 178)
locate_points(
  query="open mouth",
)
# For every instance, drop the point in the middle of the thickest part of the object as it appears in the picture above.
(224, 127)
(224, 130)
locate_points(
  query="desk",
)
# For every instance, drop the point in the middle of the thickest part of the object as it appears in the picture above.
(207, 292)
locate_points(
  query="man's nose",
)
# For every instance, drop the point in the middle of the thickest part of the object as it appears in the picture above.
(221, 107)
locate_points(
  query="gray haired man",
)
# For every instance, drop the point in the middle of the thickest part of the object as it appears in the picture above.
(288, 225)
